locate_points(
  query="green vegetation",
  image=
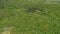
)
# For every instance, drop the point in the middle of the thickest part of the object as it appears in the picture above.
(13, 13)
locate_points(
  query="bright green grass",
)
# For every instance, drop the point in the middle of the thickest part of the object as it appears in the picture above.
(28, 23)
(31, 23)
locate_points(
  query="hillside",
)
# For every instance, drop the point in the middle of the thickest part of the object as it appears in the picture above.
(21, 17)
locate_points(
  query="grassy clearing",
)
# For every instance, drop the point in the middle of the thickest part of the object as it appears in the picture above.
(14, 14)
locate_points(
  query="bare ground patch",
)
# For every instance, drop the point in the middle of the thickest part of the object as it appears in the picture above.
(7, 30)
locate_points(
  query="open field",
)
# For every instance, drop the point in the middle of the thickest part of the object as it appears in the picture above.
(13, 14)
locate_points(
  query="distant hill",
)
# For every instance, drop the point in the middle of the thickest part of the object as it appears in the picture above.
(53, 1)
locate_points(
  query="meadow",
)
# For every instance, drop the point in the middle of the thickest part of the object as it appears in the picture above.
(13, 14)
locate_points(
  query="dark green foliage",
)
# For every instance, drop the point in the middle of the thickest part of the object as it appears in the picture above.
(35, 10)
